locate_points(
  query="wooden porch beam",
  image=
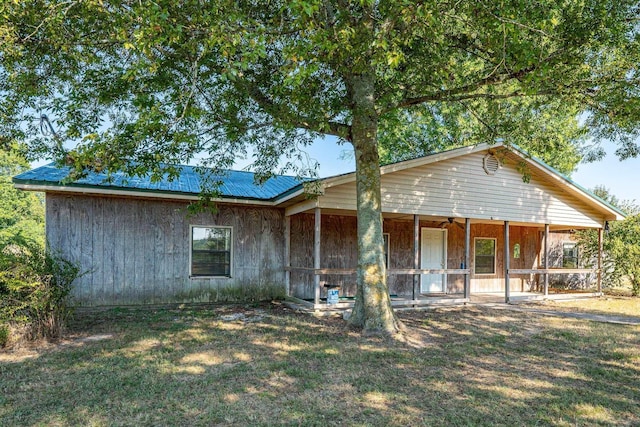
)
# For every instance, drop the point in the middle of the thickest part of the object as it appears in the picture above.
(467, 244)
(600, 250)
(301, 207)
(287, 255)
(416, 253)
(316, 253)
(507, 256)
(545, 260)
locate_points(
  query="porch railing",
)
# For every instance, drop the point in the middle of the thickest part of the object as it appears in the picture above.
(390, 272)
(452, 271)
(553, 271)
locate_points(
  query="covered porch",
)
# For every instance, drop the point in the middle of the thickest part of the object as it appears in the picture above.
(430, 259)
(455, 224)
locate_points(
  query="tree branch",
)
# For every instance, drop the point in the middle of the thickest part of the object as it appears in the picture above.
(281, 112)
(451, 94)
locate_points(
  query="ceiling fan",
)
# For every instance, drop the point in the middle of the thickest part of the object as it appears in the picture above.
(450, 221)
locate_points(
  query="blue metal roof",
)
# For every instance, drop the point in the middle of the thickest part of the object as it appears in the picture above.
(233, 184)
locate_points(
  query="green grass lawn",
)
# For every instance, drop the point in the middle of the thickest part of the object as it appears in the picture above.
(265, 365)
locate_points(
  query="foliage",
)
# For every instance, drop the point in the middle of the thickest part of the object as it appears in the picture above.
(21, 241)
(621, 245)
(549, 130)
(4, 334)
(35, 287)
(21, 213)
(137, 85)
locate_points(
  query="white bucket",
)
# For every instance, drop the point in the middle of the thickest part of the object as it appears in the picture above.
(333, 296)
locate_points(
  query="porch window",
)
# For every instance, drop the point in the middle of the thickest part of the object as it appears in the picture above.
(485, 256)
(211, 251)
(569, 255)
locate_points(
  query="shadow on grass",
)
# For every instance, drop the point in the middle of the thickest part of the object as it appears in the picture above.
(263, 366)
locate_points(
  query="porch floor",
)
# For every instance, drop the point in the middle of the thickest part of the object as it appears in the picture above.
(516, 297)
(434, 300)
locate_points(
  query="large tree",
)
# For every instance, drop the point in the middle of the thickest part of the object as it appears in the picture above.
(135, 84)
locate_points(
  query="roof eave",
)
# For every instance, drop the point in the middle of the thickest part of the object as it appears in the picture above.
(332, 181)
(29, 185)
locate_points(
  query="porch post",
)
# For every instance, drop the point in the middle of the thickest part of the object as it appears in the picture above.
(600, 249)
(467, 243)
(316, 255)
(545, 260)
(287, 255)
(416, 253)
(506, 261)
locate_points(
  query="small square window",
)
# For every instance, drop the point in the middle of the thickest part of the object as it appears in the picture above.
(211, 251)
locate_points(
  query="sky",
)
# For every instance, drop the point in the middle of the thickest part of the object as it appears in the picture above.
(622, 178)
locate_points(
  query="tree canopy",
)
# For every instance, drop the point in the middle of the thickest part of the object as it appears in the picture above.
(551, 132)
(134, 84)
(21, 213)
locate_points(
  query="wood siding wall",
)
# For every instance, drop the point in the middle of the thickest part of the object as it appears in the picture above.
(460, 187)
(557, 239)
(137, 251)
(530, 241)
(339, 250)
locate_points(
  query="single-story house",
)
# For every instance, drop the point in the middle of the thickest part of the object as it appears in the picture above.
(455, 223)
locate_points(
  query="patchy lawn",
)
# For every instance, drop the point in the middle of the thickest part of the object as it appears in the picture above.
(612, 305)
(265, 365)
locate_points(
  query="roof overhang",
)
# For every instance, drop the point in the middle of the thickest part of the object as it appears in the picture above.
(116, 192)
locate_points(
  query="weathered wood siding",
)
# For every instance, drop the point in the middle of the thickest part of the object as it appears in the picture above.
(529, 239)
(460, 187)
(339, 250)
(137, 251)
(557, 239)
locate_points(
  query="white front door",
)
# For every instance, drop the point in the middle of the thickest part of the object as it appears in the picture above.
(433, 256)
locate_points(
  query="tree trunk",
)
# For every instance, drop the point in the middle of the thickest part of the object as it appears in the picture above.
(372, 310)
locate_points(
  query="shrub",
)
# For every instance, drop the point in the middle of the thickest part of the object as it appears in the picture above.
(35, 287)
(4, 335)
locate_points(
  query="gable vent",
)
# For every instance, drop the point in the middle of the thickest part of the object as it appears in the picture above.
(490, 164)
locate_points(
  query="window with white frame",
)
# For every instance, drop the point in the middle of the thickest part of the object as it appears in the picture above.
(211, 251)
(485, 255)
(569, 255)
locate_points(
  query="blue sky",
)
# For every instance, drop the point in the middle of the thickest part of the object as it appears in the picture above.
(622, 178)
